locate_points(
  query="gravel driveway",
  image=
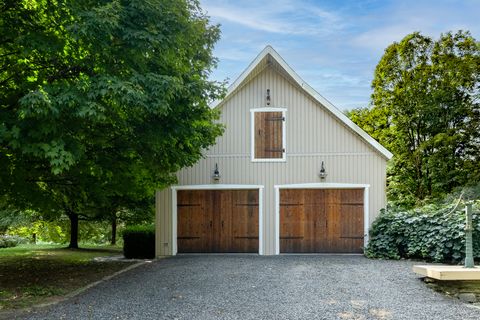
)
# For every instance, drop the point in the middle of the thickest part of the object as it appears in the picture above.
(260, 287)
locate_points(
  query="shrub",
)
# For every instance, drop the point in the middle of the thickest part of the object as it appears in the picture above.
(8, 241)
(432, 233)
(139, 242)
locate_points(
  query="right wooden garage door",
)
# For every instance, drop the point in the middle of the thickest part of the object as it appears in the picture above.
(321, 220)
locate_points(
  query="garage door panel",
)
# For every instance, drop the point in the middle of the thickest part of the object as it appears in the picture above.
(292, 213)
(352, 227)
(245, 214)
(217, 221)
(245, 227)
(321, 220)
(222, 230)
(352, 196)
(293, 223)
(193, 221)
(317, 228)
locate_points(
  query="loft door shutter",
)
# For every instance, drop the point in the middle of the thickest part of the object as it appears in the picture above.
(269, 135)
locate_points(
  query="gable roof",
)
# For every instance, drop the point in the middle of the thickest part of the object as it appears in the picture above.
(269, 56)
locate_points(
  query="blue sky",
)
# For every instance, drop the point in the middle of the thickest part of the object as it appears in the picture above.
(332, 45)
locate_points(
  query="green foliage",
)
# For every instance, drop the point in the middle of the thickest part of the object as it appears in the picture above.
(102, 101)
(9, 241)
(58, 231)
(39, 291)
(139, 242)
(432, 232)
(426, 111)
(43, 231)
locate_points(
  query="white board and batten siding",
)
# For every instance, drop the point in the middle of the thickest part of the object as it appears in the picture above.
(313, 135)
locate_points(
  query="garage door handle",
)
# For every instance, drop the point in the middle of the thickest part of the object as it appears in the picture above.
(211, 223)
(222, 224)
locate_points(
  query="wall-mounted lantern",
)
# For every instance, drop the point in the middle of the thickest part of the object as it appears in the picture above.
(268, 99)
(216, 173)
(323, 173)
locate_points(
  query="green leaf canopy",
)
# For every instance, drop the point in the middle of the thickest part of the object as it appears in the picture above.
(425, 109)
(102, 99)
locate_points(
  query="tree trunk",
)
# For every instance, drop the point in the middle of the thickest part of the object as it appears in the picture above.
(114, 230)
(73, 230)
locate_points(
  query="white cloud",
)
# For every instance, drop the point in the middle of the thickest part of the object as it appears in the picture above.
(284, 17)
(380, 29)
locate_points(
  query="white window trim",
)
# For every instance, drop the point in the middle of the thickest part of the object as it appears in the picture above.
(366, 206)
(217, 187)
(252, 134)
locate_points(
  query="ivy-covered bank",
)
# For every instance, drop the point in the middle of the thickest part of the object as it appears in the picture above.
(433, 232)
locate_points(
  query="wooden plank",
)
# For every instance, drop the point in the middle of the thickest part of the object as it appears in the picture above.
(274, 122)
(268, 135)
(193, 221)
(222, 221)
(292, 220)
(245, 228)
(445, 272)
(315, 202)
(351, 215)
(260, 135)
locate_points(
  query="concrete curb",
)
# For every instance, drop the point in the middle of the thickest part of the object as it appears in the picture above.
(13, 314)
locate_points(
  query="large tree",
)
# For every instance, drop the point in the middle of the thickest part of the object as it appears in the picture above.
(425, 109)
(99, 98)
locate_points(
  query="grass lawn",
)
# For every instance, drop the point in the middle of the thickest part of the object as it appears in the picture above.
(32, 274)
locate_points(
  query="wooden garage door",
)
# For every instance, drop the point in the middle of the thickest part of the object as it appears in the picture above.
(321, 220)
(217, 221)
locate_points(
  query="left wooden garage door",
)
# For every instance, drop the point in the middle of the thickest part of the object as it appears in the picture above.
(217, 221)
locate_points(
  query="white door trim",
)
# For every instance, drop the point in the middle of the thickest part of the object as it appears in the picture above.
(217, 187)
(365, 187)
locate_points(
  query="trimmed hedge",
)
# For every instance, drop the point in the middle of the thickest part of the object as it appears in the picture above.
(431, 233)
(8, 241)
(139, 242)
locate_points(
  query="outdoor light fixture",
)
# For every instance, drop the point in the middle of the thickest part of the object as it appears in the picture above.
(268, 97)
(323, 173)
(216, 173)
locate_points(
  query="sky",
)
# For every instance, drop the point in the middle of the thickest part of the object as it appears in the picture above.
(333, 45)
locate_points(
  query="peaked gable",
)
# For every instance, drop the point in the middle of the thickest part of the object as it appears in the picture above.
(268, 57)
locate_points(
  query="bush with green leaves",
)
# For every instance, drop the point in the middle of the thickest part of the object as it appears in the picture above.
(139, 242)
(433, 233)
(8, 241)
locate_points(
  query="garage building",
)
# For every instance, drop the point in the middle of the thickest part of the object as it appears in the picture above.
(291, 174)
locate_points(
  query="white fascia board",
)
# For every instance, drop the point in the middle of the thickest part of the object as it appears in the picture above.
(312, 92)
(268, 109)
(322, 186)
(217, 187)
